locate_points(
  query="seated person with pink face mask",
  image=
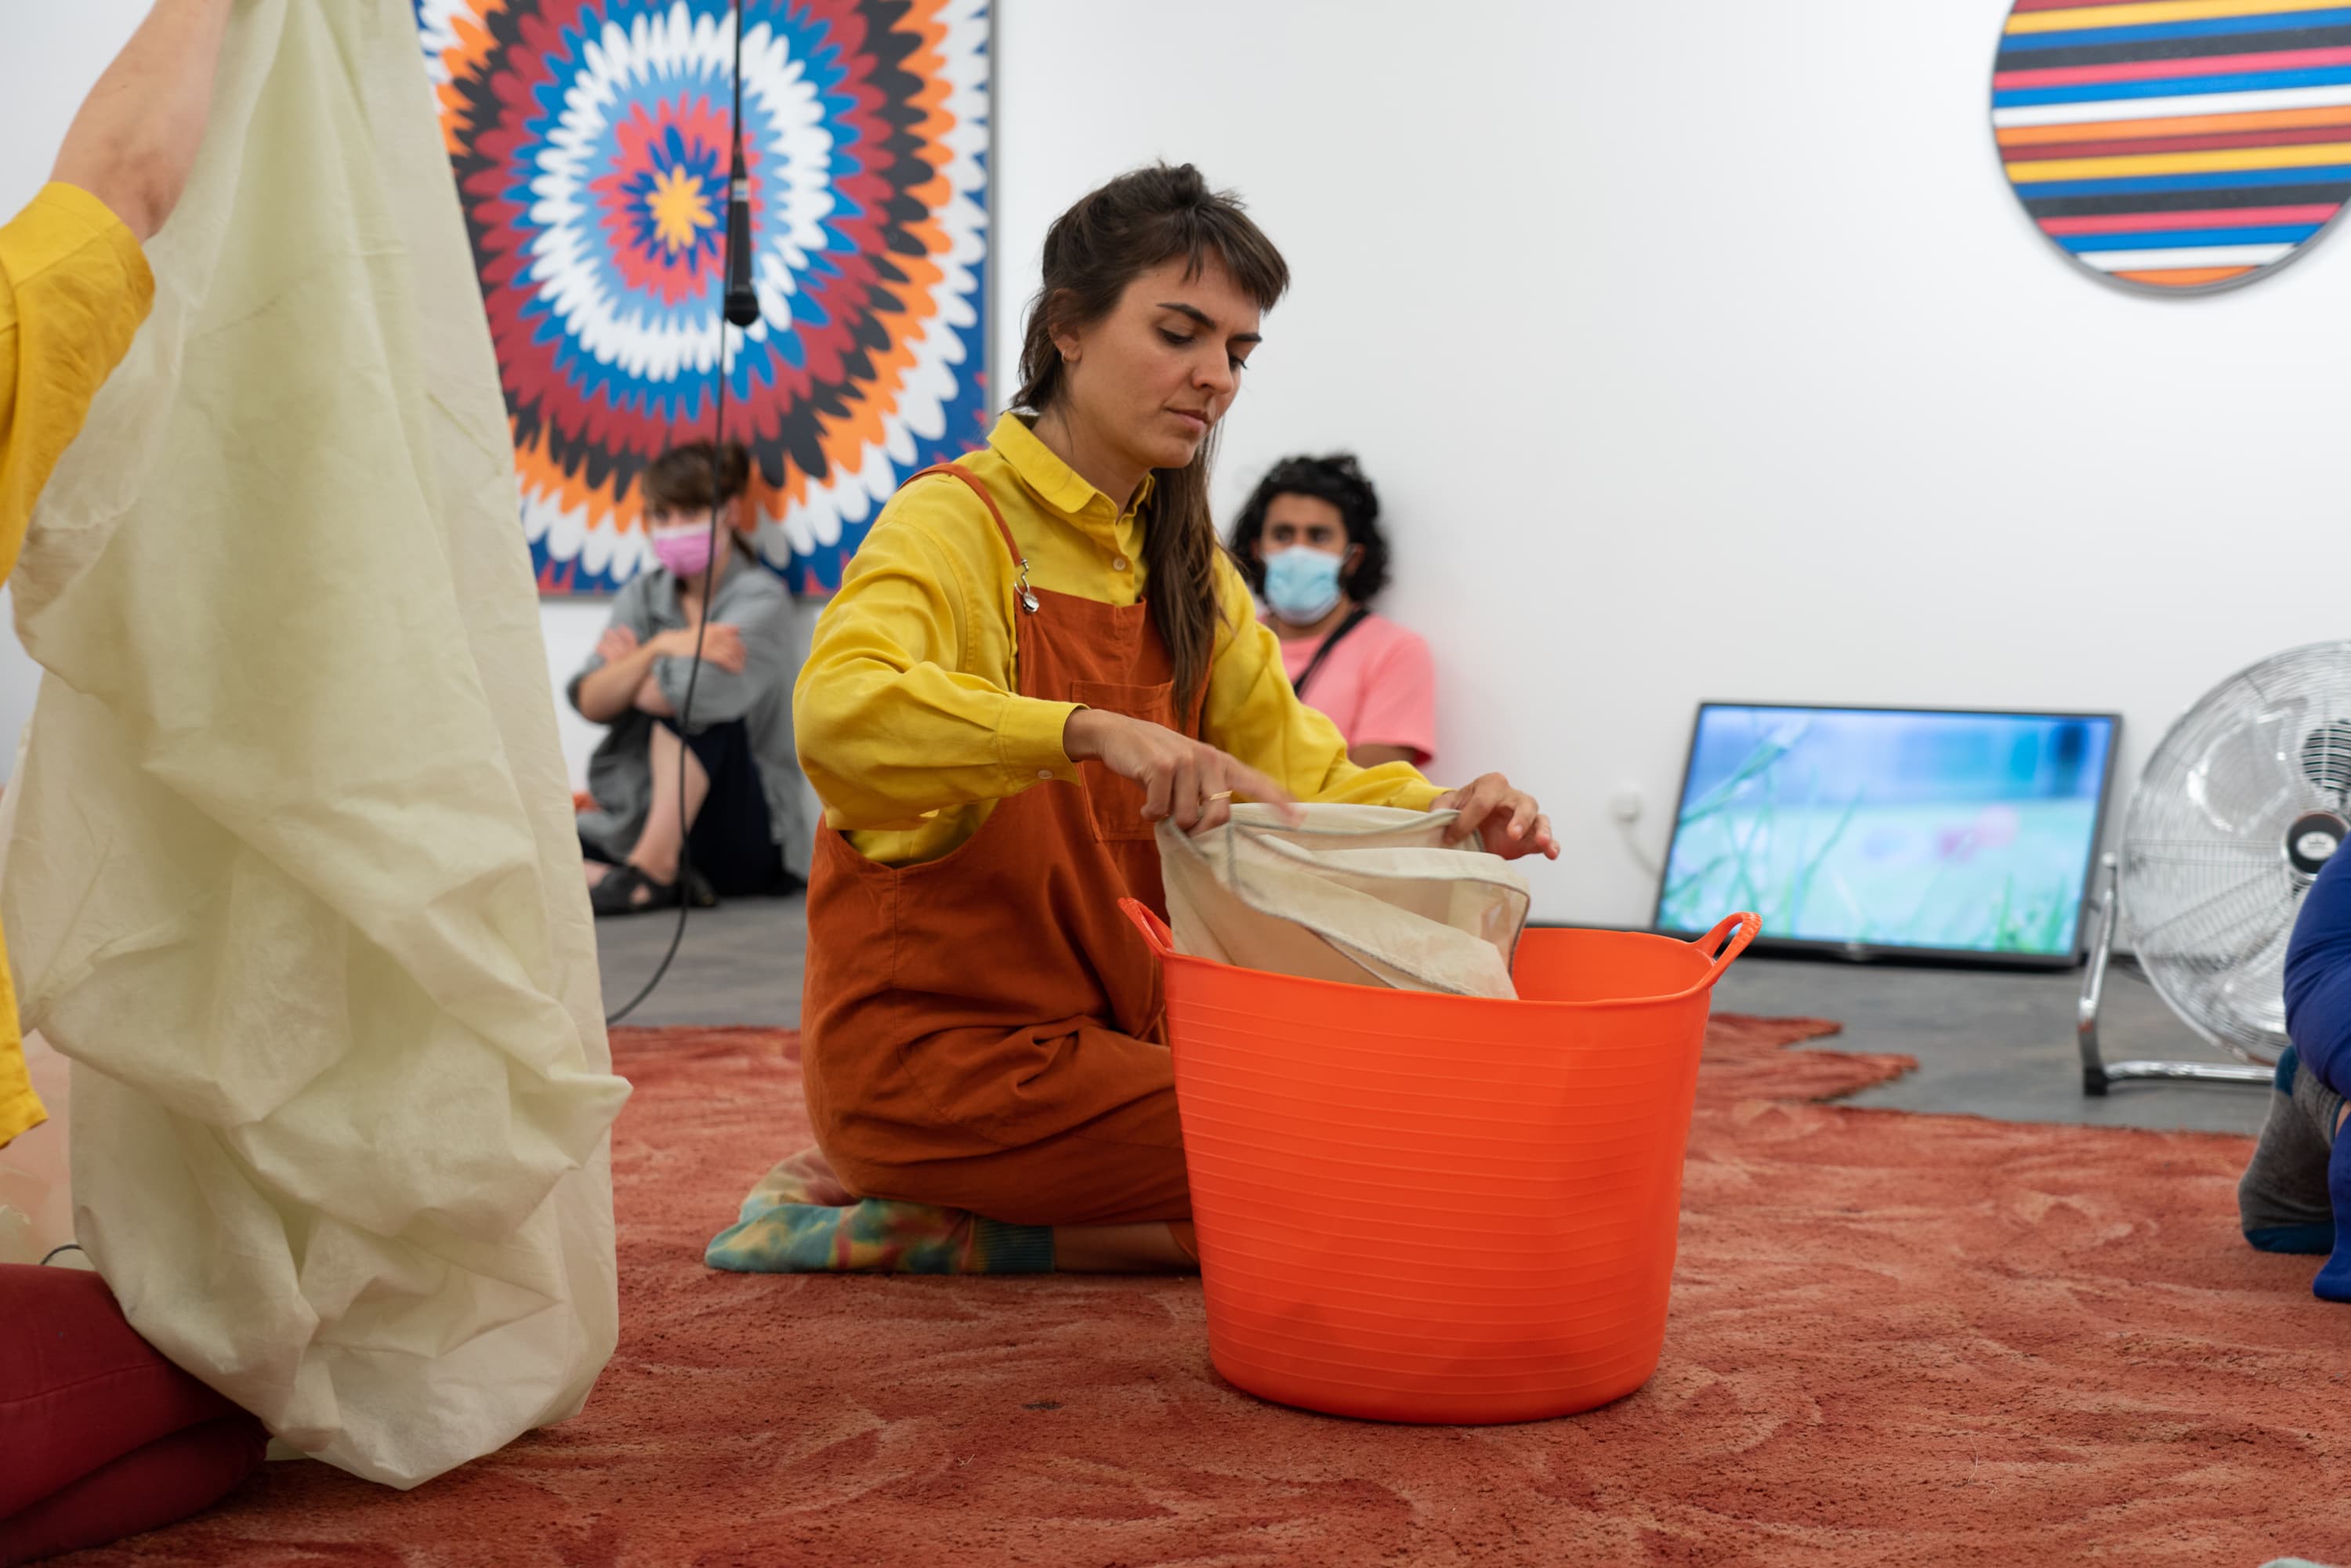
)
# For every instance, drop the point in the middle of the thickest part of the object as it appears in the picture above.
(711, 806)
(1310, 543)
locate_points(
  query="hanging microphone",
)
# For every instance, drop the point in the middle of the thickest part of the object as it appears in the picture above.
(742, 304)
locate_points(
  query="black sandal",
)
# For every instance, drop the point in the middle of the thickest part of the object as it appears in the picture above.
(617, 894)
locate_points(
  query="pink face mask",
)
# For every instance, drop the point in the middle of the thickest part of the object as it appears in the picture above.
(683, 548)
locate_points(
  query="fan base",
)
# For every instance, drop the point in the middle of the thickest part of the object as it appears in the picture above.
(2098, 1074)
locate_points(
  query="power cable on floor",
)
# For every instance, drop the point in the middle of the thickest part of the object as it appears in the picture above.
(741, 311)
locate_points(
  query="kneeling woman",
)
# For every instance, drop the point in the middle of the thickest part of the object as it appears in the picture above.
(1035, 656)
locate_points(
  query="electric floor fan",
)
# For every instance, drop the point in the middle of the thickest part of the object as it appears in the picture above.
(2241, 805)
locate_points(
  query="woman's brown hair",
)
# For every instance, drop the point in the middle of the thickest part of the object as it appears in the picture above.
(1111, 238)
(697, 477)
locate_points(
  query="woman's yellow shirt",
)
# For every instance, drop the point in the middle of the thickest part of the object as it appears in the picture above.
(906, 714)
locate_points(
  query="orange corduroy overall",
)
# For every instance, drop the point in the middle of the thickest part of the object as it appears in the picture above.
(983, 1030)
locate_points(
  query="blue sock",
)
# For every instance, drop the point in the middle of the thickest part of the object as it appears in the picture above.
(2334, 1281)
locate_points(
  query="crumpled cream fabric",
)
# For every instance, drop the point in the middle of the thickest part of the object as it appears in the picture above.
(36, 1182)
(293, 879)
(1361, 894)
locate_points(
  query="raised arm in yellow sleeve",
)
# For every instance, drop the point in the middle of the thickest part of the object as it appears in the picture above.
(1254, 716)
(74, 287)
(906, 705)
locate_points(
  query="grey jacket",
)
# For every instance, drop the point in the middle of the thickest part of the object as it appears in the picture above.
(620, 775)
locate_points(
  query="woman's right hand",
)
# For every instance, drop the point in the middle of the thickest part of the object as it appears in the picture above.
(1185, 780)
(721, 643)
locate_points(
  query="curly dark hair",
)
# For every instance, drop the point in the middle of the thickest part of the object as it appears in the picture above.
(1338, 479)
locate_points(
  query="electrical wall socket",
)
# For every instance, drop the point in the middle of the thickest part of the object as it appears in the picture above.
(1624, 805)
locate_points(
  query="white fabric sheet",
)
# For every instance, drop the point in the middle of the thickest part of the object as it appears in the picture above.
(293, 879)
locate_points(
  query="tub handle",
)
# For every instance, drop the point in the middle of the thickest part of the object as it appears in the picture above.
(1741, 929)
(1155, 930)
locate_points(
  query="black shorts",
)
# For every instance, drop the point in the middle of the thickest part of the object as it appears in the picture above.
(733, 842)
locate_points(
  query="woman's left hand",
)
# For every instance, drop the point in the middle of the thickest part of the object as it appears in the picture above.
(1509, 822)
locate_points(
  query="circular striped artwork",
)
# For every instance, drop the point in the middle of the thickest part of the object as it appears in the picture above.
(2176, 145)
(591, 143)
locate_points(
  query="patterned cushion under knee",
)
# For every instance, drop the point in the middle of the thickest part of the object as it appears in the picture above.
(799, 1220)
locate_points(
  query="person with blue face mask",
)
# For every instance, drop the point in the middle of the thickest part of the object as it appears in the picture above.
(1310, 542)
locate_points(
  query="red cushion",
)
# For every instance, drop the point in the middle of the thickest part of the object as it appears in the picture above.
(144, 1489)
(79, 1387)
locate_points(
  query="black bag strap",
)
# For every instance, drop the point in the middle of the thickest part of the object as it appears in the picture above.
(1362, 612)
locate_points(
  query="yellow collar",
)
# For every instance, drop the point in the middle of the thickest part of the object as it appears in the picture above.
(1059, 485)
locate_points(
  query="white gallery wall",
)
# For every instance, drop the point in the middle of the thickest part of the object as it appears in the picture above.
(1699, 350)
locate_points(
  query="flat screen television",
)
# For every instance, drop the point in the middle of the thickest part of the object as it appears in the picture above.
(1892, 832)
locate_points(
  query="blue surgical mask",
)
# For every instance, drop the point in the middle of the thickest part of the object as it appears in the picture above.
(1302, 583)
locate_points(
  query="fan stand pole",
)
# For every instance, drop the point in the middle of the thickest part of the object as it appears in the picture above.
(2094, 984)
(2097, 1073)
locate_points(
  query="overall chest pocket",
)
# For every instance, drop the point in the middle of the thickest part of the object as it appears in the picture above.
(1116, 803)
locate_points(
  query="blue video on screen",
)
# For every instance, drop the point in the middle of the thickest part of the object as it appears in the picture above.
(1958, 832)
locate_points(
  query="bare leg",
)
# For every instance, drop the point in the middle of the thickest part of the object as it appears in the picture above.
(1146, 1249)
(662, 843)
(597, 871)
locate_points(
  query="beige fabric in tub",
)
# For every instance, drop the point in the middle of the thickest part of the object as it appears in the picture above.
(1367, 895)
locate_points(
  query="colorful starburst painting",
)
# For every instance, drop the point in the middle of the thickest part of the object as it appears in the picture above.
(592, 144)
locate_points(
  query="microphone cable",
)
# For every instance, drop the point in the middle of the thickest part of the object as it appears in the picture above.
(741, 310)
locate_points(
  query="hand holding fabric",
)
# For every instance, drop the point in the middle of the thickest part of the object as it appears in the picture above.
(1183, 781)
(721, 645)
(1509, 822)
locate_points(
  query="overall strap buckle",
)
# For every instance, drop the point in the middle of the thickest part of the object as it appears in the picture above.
(1021, 589)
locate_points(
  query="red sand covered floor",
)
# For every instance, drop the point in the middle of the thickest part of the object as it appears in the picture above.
(1896, 1340)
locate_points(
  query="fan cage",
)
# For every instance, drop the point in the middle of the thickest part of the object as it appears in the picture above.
(2208, 878)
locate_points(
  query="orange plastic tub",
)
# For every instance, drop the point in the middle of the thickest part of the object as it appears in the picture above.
(1420, 1207)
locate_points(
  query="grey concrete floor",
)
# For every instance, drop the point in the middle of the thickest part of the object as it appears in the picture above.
(1998, 1044)
(1988, 1043)
(739, 964)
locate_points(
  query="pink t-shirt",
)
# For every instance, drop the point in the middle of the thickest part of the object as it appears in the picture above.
(1379, 686)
